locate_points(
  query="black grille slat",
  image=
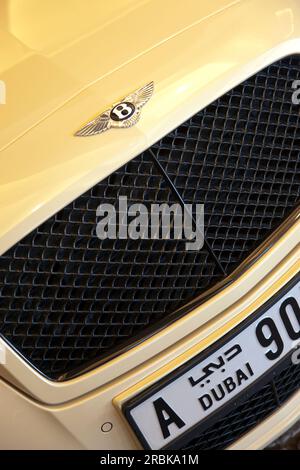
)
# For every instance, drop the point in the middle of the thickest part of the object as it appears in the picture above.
(68, 300)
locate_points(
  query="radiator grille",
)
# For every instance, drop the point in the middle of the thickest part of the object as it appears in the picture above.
(67, 297)
(240, 157)
(68, 300)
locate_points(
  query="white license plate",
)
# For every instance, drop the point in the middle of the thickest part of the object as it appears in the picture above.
(183, 399)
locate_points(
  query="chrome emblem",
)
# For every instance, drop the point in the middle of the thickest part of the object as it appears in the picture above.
(126, 113)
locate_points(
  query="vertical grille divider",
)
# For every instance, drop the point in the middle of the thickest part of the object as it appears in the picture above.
(181, 201)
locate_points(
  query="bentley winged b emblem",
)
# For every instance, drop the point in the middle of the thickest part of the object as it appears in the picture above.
(125, 113)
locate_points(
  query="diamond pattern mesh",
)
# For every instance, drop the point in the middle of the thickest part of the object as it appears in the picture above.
(240, 157)
(68, 300)
(67, 297)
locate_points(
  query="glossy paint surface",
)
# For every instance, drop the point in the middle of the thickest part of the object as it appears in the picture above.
(61, 66)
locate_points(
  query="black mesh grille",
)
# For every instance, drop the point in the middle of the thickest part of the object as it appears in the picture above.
(240, 157)
(250, 413)
(68, 299)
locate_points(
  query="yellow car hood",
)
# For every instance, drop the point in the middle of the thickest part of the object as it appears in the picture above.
(53, 50)
(65, 61)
